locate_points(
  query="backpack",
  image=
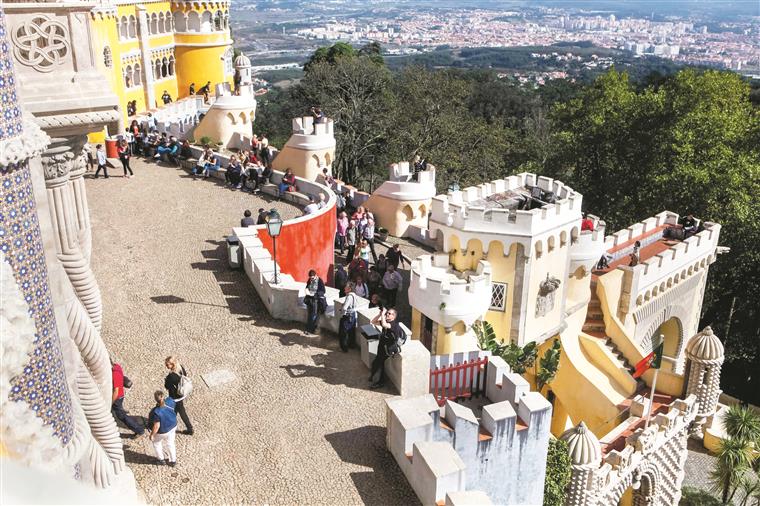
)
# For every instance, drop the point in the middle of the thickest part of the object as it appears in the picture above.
(185, 384)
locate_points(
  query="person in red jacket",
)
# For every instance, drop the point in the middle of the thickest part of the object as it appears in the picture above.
(117, 401)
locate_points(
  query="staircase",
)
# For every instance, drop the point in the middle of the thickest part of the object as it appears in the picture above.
(594, 326)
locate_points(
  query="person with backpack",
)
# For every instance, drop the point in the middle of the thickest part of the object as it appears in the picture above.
(178, 384)
(162, 422)
(391, 339)
(315, 301)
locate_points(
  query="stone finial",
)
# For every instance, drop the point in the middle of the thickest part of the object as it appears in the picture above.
(705, 347)
(583, 446)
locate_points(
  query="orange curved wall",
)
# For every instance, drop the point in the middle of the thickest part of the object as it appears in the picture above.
(305, 245)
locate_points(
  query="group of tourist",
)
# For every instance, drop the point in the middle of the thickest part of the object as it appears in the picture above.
(162, 420)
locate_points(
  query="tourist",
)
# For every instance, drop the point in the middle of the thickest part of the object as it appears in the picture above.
(381, 265)
(341, 277)
(347, 325)
(254, 145)
(311, 208)
(318, 116)
(329, 181)
(394, 256)
(689, 226)
(348, 204)
(604, 261)
(288, 182)
(418, 166)
(392, 283)
(185, 151)
(117, 400)
(635, 257)
(205, 91)
(100, 154)
(124, 156)
(374, 301)
(359, 287)
(391, 338)
(212, 163)
(368, 234)
(341, 231)
(374, 281)
(315, 300)
(262, 218)
(322, 202)
(200, 164)
(587, 223)
(351, 237)
(234, 174)
(172, 383)
(168, 151)
(191, 91)
(134, 129)
(340, 203)
(163, 426)
(152, 125)
(166, 98)
(131, 108)
(264, 154)
(266, 175)
(130, 141)
(247, 220)
(364, 250)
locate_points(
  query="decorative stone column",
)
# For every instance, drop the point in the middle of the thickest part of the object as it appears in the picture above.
(705, 357)
(64, 155)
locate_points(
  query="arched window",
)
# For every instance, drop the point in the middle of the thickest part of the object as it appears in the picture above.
(206, 21)
(153, 24)
(218, 21)
(138, 75)
(228, 65)
(107, 57)
(132, 27)
(168, 22)
(157, 69)
(164, 67)
(171, 65)
(193, 22)
(226, 21)
(231, 118)
(128, 76)
(180, 24)
(123, 28)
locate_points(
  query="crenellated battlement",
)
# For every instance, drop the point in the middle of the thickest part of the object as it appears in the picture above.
(494, 207)
(446, 295)
(436, 451)
(402, 186)
(305, 126)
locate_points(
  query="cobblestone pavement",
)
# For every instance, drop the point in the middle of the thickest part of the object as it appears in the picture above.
(297, 425)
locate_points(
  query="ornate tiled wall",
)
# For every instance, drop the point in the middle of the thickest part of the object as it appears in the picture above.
(43, 383)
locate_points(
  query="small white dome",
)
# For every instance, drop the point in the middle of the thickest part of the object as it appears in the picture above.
(242, 61)
(705, 346)
(583, 446)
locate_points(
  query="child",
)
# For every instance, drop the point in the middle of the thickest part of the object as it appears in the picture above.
(100, 154)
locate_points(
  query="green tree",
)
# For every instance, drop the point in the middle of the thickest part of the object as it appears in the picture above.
(330, 54)
(549, 365)
(735, 468)
(557, 473)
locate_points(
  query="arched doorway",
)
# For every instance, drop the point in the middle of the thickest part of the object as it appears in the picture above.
(672, 332)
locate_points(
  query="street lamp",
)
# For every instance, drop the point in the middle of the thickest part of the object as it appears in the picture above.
(274, 226)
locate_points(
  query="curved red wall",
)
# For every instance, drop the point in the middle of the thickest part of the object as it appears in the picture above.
(305, 244)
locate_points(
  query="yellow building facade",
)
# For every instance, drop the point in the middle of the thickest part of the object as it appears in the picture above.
(145, 49)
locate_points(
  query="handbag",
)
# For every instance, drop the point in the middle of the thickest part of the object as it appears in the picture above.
(127, 382)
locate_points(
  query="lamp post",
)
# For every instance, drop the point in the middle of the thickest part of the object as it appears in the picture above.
(274, 226)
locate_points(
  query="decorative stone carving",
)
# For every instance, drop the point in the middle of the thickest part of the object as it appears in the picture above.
(546, 295)
(41, 43)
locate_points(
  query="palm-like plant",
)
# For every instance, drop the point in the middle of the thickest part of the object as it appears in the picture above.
(734, 461)
(737, 457)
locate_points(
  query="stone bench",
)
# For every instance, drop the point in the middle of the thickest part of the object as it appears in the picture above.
(297, 198)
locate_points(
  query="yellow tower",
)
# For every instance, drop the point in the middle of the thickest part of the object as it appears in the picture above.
(146, 49)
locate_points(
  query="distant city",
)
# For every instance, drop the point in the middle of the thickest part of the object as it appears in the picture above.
(289, 31)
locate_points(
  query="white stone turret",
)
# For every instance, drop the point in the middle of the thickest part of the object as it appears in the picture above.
(310, 149)
(705, 355)
(243, 68)
(402, 203)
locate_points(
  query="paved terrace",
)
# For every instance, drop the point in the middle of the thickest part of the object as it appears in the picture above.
(297, 425)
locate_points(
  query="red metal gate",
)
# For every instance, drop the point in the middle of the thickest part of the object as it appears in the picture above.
(458, 381)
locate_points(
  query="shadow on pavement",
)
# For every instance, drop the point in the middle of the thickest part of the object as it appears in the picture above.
(384, 483)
